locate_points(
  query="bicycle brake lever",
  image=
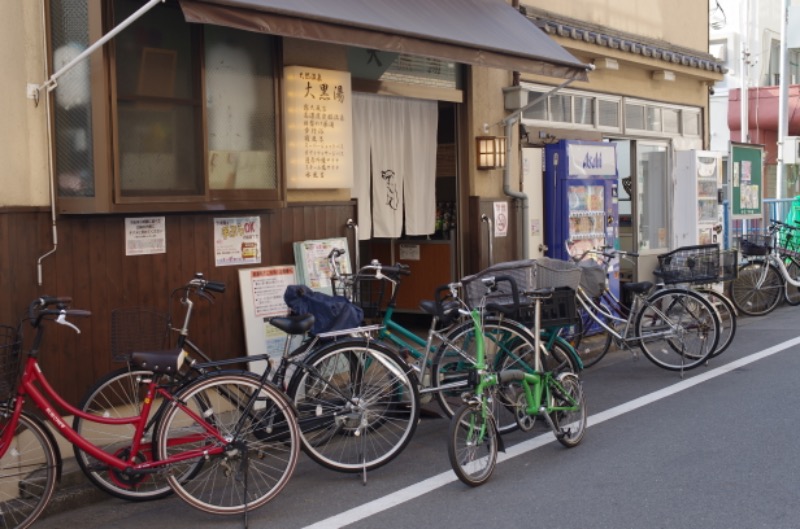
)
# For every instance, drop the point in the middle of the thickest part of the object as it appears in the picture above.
(62, 319)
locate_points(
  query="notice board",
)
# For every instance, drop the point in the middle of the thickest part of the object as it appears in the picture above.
(746, 180)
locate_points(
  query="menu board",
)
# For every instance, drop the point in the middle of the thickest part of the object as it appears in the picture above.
(319, 128)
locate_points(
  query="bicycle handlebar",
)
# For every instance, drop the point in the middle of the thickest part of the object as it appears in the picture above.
(200, 283)
(38, 310)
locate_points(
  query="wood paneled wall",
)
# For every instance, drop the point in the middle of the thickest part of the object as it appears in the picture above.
(90, 265)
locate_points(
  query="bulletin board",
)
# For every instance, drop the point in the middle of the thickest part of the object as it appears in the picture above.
(746, 179)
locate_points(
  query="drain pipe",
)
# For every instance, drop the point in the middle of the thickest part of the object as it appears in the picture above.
(508, 123)
(33, 92)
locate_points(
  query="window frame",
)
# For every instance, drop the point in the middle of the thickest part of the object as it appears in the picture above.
(622, 102)
(108, 196)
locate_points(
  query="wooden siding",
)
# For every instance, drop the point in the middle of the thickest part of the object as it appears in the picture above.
(90, 265)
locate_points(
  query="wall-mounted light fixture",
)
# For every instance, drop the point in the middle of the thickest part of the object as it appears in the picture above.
(491, 151)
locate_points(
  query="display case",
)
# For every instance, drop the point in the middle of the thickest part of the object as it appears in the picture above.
(697, 213)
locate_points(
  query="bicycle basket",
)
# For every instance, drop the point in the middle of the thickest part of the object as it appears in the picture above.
(729, 265)
(523, 272)
(755, 244)
(557, 310)
(555, 273)
(138, 329)
(364, 291)
(690, 264)
(593, 278)
(10, 345)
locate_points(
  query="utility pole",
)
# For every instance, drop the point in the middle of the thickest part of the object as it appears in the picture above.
(744, 99)
(783, 117)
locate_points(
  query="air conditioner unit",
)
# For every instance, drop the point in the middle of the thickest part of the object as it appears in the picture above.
(791, 150)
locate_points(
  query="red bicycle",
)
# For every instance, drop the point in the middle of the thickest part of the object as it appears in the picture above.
(227, 442)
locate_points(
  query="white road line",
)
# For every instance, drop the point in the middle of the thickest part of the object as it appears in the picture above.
(418, 489)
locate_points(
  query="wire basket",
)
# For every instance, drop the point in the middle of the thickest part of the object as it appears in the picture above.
(691, 264)
(593, 278)
(555, 273)
(755, 244)
(522, 272)
(557, 310)
(365, 291)
(10, 345)
(138, 329)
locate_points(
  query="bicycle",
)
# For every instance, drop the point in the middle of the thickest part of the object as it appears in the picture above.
(771, 271)
(356, 401)
(205, 445)
(699, 268)
(443, 360)
(473, 437)
(676, 329)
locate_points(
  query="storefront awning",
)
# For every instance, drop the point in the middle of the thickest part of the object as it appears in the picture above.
(478, 32)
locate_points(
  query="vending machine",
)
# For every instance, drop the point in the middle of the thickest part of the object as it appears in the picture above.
(580, 196)
(697, 205)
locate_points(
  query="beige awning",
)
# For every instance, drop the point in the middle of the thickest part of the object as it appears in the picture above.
(478, 32)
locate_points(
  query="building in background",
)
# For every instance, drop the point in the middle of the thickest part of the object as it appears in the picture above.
(745, 35)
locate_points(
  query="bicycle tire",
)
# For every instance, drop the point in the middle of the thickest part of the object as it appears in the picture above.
(750, 298)
(727, 318)
(596, 341)
(119, 394)
(472, 445)
(677, 329)
(570, 424)
(357, 404)
(506, 343)
(792, 293)
(28, 471)
(262, 442)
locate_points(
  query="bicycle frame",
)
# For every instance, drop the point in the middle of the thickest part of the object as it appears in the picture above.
(536, 385)
(622, 338)
(33, 378)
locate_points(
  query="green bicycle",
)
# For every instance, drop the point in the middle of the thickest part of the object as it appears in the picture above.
(557, 397)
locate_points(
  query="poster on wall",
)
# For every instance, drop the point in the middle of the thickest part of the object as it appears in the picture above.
(237, 241)
(313, 265)
(319, 128)
(262, 298)
(500, 219)
(145, 236)
(746, 180)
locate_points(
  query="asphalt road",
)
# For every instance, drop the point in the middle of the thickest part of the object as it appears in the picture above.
(716, 450)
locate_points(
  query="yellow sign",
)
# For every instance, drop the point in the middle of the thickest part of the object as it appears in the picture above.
(319, 128)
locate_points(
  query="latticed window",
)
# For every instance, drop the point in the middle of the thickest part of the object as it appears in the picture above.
(191, 117)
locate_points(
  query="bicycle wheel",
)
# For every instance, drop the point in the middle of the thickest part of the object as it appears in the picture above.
(472, 445)
(727, 318)
(29, 468)
(677, 329)
(357, 404)
(254, 425)
(555, 358)
(757, 290)
(567, 392)
(119, 394)
(507, 344)
(792, 293)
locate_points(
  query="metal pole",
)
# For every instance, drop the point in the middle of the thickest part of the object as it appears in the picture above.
(745, 95)
(783, 117)
(51, 83)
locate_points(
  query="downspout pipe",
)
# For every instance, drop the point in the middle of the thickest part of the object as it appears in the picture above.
(33, 92)
(508, 123)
